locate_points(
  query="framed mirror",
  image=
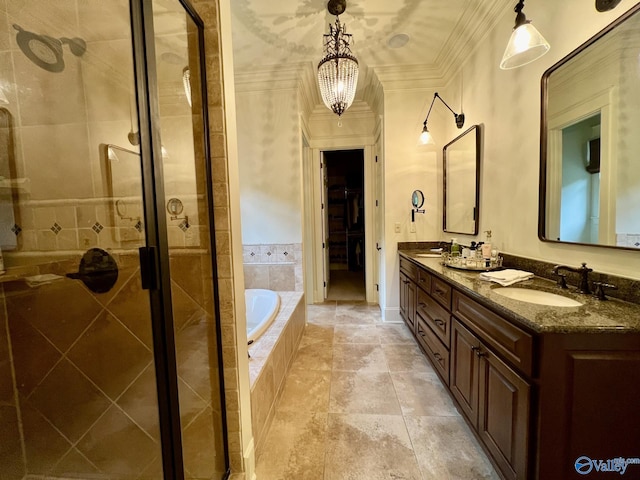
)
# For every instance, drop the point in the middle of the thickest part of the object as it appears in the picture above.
(461, 177)
(589, 142)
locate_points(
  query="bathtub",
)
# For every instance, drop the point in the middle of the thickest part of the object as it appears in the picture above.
(262, 308)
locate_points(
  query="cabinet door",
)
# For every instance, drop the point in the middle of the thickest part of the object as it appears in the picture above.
(464, 370)
(503, 416)
(404, 301)
(408, 301)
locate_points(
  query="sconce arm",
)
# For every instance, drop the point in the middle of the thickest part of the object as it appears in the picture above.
(459, 117)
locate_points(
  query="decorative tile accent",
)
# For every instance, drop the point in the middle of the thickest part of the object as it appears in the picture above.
(55, 228)
(138, 226)
(253, 254)
(16, 229)
(184, 226)
(97, 227)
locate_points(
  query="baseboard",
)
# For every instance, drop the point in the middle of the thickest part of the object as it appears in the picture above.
(391, 315)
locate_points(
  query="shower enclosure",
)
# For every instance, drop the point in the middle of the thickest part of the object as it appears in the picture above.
(109, 337)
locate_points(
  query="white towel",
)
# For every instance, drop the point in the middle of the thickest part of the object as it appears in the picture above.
(506, 277)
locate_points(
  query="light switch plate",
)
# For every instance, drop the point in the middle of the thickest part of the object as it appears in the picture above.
(398, 230)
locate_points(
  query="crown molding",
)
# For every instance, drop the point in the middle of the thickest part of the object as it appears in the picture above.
(408, 77)
(268, 78)
(470, 31)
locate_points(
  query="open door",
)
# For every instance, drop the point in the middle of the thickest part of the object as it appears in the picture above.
(325, 227)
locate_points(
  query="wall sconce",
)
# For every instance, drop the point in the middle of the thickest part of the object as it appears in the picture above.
(425, 136)
(526, 43)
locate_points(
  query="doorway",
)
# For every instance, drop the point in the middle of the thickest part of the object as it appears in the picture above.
(345, 224)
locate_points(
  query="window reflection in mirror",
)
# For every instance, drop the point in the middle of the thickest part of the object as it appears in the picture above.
(590, 175)
(461, 172)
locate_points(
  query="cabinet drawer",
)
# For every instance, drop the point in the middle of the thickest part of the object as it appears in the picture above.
(410, 269)
(424, 280)
(435, 316)
(436, 351)
(441, 291)
(512, 343)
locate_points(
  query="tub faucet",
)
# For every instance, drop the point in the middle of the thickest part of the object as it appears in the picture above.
(583, 270)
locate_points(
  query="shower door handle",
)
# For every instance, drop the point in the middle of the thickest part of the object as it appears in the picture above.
(148, 270)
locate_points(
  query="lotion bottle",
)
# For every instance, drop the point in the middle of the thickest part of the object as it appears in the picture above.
(486, 246)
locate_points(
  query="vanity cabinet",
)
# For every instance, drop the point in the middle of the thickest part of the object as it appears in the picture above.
(494, 398)
(537, 399)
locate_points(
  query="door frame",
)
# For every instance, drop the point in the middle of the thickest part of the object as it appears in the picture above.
(313, 214)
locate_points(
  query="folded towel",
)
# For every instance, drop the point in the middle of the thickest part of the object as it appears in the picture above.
(506, 277)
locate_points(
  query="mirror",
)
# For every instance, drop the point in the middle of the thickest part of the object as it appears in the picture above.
(589, 145)
(461, 177)
(417, 199)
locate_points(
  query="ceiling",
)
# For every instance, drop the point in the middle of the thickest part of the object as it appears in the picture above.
(271, 32)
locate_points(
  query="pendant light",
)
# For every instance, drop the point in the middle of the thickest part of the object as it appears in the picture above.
(338, 69)
(526, 43)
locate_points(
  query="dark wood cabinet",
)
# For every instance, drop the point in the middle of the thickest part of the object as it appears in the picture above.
(463, 380)
(494, 398)
(503, 414)
(537, 401)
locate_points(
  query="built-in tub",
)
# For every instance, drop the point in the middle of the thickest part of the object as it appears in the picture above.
(262, 309)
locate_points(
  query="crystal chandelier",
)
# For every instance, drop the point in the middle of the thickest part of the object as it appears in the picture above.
(338, 69)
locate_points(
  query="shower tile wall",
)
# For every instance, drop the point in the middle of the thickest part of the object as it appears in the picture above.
(273, 266)
(85, 377)
(11, 457)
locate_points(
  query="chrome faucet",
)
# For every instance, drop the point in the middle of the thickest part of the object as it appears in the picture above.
(583, 287)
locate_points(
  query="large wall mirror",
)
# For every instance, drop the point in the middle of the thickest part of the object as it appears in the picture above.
(589, 142)
(461, 176)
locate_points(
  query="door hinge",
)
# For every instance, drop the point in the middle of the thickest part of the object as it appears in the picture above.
(376, 158)
(325, 284)
(323, 245)
(321, 165)
(377, 287)
(148, 268)
(322, 206)
(376, 203)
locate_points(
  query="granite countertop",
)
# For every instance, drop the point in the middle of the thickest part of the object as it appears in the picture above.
(594, 316)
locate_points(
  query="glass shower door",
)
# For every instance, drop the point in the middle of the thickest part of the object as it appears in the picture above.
(78, 395)
(178, 46)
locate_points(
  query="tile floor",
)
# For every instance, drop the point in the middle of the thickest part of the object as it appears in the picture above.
(362, 403)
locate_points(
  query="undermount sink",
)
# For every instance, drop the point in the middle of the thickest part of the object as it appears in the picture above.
(537, 297)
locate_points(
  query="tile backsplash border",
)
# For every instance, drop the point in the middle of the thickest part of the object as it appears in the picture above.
(275, 266)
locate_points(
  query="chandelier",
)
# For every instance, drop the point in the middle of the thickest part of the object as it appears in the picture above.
(338, 69)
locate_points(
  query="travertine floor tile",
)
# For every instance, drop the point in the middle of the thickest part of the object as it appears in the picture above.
(356, 334)
(306, 390)
(359, 358)
(422, 393)
(406, 358)
(363, 392)
(362, 402)
(314, 333)
(316, 356)
(395, 333)
(369, 447)
(295, 448)
(445, 448)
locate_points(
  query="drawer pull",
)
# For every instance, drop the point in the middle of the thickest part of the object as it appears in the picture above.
(439, 322)
(440, 292)
(437, 355)
(422, 305)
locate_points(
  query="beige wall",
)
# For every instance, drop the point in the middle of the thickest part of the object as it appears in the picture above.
(507, 103)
